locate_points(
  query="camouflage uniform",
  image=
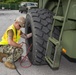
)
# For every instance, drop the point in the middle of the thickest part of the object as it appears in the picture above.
(7, 49)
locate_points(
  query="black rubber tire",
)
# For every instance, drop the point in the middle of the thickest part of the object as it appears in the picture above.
(38, 21)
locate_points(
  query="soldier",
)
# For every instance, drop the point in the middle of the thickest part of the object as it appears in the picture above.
(9, 42)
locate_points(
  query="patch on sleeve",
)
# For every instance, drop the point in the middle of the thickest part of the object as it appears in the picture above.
(10, 34)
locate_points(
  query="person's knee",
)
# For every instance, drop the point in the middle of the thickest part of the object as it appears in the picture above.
(21, 51)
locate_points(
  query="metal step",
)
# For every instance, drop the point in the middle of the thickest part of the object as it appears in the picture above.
(53, 53)
(53, 40)
(60, 18)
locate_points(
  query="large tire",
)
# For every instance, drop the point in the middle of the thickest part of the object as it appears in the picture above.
(38, 21)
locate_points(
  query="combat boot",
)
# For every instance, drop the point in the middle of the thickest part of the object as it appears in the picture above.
(2, 55)
(9, 65)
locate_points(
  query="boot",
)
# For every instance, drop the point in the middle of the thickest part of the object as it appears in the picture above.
(9, 65)
(2, 55)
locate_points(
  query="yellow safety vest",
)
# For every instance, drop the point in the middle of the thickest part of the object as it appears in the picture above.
(16, 36)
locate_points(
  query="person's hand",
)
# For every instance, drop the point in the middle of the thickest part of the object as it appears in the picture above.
(29, 35)
(26, 36)
(20, 45)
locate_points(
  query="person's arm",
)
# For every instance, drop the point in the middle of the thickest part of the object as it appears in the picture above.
(26, 36)
(29, 35)
(10, 39)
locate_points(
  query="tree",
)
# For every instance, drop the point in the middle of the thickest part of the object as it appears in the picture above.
(17, 1)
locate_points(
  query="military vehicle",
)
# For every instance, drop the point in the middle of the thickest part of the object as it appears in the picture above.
(53, 25)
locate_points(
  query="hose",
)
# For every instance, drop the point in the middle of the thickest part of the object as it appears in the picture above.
(14, 63)
(24, 57)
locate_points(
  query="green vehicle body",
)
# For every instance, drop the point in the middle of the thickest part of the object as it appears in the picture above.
(65, 17)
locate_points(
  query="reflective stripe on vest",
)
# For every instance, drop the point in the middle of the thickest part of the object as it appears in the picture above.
(16, 36)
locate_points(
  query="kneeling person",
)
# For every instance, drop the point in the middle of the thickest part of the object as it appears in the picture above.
(9, 42)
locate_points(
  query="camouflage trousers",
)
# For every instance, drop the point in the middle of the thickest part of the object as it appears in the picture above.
(14, 53)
